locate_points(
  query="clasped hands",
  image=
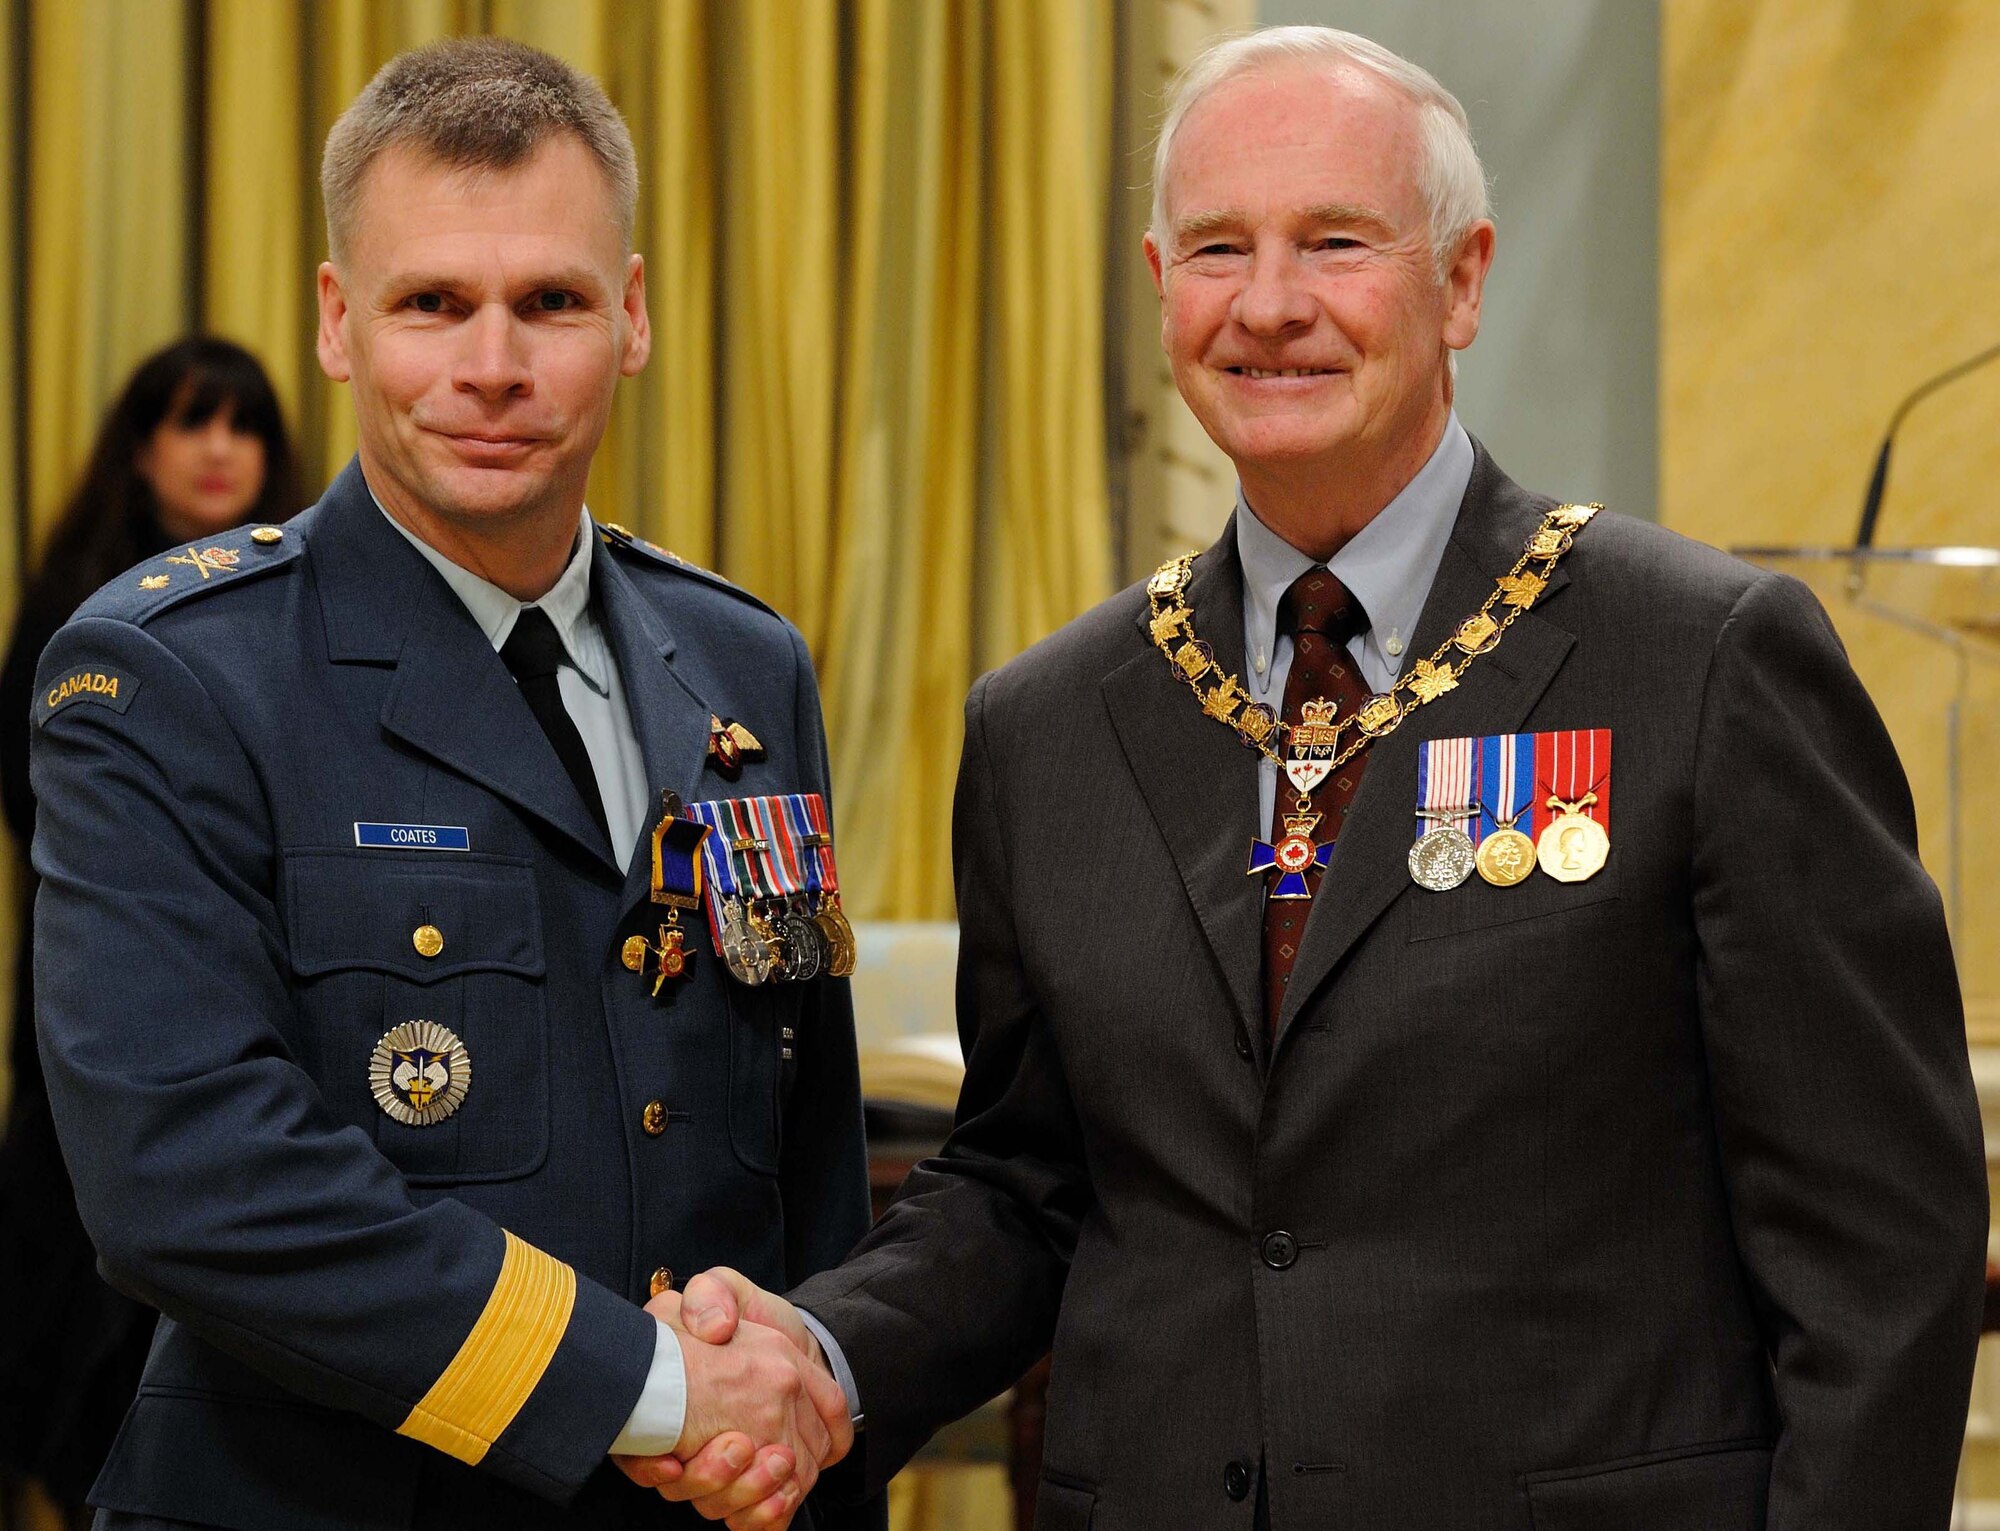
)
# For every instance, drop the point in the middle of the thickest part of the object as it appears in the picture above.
(764, 1413)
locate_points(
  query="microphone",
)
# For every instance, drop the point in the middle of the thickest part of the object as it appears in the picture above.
(1872, 506)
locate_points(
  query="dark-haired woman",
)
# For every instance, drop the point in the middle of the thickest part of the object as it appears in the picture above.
(194, 446)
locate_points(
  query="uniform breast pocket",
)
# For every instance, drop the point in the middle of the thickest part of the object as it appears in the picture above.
(382, 943)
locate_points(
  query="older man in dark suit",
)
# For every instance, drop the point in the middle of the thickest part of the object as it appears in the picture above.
(366, 945)
(1483, 1158)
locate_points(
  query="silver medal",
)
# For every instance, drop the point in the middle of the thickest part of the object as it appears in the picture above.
(1442, 858)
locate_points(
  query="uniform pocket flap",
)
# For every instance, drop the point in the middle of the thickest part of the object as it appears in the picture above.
(420, 920)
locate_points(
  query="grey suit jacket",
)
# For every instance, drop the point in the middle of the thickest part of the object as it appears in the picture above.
(1652, 1202)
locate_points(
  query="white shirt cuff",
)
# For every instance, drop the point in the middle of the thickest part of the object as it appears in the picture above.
(842, 1373)
(655, 1425)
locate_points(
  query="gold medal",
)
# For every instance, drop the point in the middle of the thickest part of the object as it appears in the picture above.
(1574, 846)
(1506, 857)
(839, 937)
(673, 956)
(762, 946)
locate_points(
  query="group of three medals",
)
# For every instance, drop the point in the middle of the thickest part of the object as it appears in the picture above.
(1473, 796)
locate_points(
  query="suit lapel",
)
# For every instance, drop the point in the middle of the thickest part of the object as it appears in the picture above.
(1198, 780)
(671, 722)
(1370, 867)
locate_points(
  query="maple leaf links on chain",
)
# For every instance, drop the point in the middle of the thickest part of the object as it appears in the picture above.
(1429, 681)
(1521, 589)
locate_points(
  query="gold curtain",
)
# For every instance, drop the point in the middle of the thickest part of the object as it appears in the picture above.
(875, 241)
(13, 546)
(1827, 243)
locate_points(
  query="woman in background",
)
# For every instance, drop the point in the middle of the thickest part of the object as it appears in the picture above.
(194, 446)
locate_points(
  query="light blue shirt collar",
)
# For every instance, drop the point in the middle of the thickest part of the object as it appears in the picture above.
(1388, 566)
(567, 601)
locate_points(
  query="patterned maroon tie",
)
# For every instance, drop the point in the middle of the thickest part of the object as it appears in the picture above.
(1320, 616)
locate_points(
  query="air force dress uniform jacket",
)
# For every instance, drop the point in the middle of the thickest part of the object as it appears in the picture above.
(370, 1324)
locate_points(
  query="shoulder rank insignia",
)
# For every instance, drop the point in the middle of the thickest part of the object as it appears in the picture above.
(181, 573)
(207, 562)
(420, 1073)
(618, 536)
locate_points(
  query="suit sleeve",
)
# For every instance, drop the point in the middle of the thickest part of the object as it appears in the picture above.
(955, 1292)
(1849, 1129)
(213, 1180)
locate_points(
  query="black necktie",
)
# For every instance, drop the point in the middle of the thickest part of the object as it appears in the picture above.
(534, 653)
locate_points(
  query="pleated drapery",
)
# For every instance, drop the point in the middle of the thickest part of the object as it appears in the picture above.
(875, 237)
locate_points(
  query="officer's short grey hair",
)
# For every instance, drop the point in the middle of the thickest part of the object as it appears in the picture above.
(1450, 178)
(474, 103)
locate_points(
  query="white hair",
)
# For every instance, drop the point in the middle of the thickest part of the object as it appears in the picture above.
(1450, 178)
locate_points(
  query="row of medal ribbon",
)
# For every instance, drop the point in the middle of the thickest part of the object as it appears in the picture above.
(1507, 804)
(762, 869)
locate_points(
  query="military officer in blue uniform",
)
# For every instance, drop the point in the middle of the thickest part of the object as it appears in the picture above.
(362, 1042)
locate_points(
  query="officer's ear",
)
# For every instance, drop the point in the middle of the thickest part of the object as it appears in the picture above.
(333, 325)
(638, 327)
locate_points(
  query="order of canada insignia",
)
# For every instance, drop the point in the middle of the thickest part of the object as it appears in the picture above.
(420, 1073)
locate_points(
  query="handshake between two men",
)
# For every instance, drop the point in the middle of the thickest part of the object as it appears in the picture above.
(764, 1412)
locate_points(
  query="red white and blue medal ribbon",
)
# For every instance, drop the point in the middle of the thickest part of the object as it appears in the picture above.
(1445, 796)
(1507, 785)
(770, 879)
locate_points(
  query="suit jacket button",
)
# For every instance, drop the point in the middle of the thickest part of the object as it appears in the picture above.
(1236, 1481)
(663, 1281)
(1242, 1046)
(654, 1118)
(1280, 1250)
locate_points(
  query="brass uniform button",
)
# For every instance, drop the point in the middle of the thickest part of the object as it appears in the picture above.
(428, 940)
(266, 535)
(663, 1281)
(653, 1118)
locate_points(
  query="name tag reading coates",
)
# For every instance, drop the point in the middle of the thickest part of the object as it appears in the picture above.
(412, 837)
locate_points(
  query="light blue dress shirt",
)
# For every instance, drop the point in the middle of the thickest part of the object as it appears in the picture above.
(594, 697)
(1387, 566)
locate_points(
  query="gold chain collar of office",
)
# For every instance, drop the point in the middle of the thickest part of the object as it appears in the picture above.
(1225, 700)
